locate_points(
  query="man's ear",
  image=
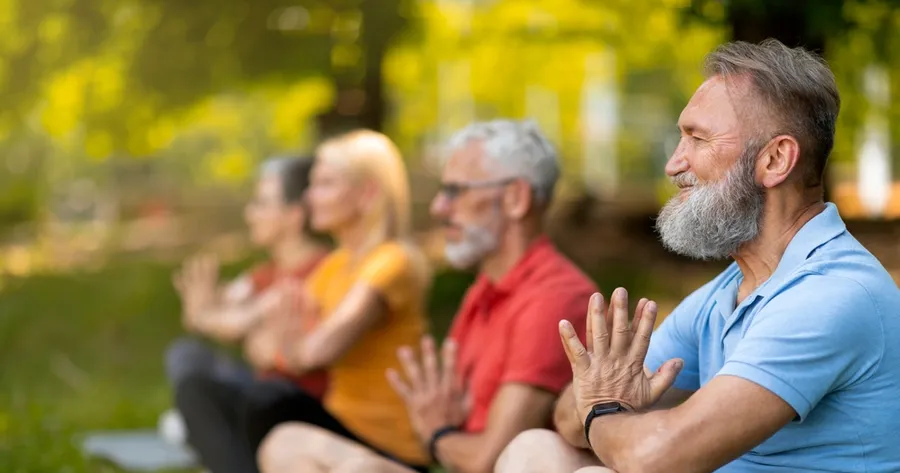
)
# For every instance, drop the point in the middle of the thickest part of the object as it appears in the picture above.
(779, 158)
(518, 199)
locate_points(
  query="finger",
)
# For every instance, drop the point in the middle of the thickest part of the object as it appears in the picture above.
(608, 309)
(600, 337)
(641, 341)
(467, 403)
(410, 367)
(636, 320)
(620, 337)
(575, 351)
(429, 361)
(663, 379)
(448, 364)
(397, 384)
(589, 326)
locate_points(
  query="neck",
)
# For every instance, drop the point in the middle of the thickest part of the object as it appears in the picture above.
(353, 238)
(759, 258)
(294, 251)
(512, 248)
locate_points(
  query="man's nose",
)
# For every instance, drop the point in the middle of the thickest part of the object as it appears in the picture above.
(678, 162)
(440, 205)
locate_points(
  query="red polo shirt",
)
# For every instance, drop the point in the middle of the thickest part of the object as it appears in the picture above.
(508, 332)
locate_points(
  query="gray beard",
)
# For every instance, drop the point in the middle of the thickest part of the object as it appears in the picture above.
(476, 244)
(716, 218)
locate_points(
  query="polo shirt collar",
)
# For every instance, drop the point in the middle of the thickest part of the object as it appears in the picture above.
(533, 257)
(821, 229)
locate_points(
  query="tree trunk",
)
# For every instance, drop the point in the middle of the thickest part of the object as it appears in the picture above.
(361, 99)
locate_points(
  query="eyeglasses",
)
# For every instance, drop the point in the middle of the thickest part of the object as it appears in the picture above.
(452, 190)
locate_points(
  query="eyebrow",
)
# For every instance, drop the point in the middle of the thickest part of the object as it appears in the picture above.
(692, 129)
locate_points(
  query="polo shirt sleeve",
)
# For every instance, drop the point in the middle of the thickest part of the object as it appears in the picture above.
(819, 335)
(536, 356)
(676, 337)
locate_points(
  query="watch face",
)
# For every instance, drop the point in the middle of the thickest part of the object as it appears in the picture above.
(607, 407)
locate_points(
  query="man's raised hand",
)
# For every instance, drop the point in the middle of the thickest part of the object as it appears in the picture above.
(611, 368)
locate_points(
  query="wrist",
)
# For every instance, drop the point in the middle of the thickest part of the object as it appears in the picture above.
(602, 409)
(437, 436)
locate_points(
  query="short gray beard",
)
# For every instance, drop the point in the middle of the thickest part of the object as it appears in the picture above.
(716, 218)
(477, 242)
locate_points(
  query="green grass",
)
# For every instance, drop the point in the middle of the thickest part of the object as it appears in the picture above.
(83, 351)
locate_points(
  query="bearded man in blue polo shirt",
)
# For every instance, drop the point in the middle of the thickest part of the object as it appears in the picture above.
(788, 361)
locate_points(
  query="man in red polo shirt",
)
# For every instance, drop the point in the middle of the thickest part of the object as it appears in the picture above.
(503, 366)
(504, 345)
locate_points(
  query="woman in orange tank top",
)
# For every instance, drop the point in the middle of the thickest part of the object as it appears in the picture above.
(370, 295)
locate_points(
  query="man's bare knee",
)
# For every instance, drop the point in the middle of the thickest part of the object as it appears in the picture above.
(541, 450)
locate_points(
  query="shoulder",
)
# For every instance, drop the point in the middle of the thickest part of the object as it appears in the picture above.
(557, 273)
(333, 259)
(828, 309)
(556, 289)
(831, 296)
(390, 251)
(844, 262)
(397, 258)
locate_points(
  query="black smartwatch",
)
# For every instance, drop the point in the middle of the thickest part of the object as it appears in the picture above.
(598, 410)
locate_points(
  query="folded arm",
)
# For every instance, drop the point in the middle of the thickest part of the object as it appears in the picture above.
(516, 408)
(571, 428)
(232, 315)
(719, 423)
(362, 309)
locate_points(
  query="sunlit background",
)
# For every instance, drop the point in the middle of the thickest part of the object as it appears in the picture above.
(131, 130)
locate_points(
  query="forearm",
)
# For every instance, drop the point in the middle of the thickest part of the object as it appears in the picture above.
(565, 421)
(465, 453)
(226, 323)
(643, 443)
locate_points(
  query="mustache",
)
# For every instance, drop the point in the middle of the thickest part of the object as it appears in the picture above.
(685, 179)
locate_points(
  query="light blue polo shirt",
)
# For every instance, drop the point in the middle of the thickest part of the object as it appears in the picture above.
(823, 333)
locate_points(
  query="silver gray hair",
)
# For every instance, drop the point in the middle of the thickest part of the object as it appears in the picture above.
(514, 148)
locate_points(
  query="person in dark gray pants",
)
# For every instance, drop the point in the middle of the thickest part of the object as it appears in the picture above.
(227, 403)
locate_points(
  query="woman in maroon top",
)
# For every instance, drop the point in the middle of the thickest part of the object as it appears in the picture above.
(212, 389)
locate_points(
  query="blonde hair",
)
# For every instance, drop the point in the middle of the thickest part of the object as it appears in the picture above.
(369, 155)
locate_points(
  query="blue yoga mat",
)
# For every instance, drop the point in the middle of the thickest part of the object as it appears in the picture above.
(137, 450)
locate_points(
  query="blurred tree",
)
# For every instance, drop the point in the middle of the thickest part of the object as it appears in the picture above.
(106, 72)
(605, 79)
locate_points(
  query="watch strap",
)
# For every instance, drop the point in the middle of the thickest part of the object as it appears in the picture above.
(598, 410)
(437, 435)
